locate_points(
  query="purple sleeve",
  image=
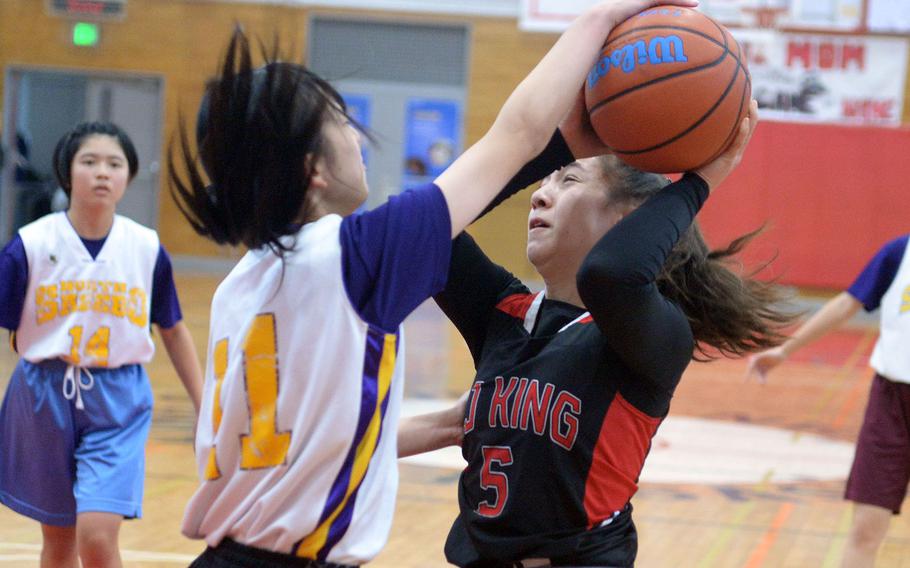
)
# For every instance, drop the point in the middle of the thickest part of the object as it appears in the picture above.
(876, 278)
(165, 305)
(13, 283)
(397, 255)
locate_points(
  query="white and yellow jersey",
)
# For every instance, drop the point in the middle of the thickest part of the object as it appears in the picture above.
(88, 312)
(296, 443)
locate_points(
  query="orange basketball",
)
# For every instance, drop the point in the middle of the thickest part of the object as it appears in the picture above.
(669, 90)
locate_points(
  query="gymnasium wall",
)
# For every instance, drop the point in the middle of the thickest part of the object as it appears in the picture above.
(832, 194)
(181, 41)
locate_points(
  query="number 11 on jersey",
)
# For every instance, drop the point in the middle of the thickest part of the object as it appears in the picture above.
(264, 446)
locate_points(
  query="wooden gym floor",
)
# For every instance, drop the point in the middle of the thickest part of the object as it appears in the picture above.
(746, 475)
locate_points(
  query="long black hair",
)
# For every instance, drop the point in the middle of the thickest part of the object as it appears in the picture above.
(258, 136)
(730, 313)
(69, 144)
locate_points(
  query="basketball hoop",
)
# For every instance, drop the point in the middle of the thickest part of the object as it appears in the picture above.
(765, 16)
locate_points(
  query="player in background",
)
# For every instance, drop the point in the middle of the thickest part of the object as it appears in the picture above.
(80, 290)
(296, 445)
(877, 484)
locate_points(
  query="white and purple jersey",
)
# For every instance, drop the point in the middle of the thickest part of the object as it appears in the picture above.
(296, 444)
(885, 283)
(89, 302)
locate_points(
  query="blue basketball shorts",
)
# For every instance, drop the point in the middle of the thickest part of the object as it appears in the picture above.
(57, 460)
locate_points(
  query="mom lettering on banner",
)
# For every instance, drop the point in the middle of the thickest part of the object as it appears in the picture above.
(826, 55)
(813, 55)
(826, 78)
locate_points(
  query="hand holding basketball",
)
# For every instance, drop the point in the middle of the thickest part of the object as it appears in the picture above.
(621, 10)
(578, 132)
(717, 170)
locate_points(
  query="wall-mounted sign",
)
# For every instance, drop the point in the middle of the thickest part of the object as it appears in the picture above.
(826, 78)
(834, 15)
(87, 9)
(890, 16)
(432, 138)
(360, 109)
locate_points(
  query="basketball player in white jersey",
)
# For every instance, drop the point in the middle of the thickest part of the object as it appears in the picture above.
(881, 467)
(80, 289)
(296, 445)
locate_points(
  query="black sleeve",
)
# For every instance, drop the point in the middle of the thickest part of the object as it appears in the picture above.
(475, 282)
(554, 156)
(616, 282)
(474, 287)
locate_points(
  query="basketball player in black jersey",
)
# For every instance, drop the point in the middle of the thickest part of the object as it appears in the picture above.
(573, 382)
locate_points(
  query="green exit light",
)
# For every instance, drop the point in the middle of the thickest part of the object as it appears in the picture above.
(85, 34)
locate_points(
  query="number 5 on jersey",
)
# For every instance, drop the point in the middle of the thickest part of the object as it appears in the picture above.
(264, 446)
(497, 481)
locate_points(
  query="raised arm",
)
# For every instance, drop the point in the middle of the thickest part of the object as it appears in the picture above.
(617, 280)
(617, 283)
(533, 111)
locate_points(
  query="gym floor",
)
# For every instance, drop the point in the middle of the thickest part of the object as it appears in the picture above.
(740, 475)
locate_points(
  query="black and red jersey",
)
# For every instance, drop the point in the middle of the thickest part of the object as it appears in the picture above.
(567, 399)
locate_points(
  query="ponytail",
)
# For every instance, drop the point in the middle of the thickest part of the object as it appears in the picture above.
(730, 314)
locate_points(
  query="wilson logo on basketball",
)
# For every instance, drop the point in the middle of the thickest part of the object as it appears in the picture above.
(678, 95)
(656, 51)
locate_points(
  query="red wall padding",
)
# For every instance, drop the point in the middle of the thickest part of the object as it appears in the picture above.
(830, 195)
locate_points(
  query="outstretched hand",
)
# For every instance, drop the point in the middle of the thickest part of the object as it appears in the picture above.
(717, 171)
(762, 363)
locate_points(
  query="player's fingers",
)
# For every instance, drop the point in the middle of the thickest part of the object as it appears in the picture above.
(753, 120)
(750, 369)
(757, 368)
(623, 9)
(742, 137)
(684, 3)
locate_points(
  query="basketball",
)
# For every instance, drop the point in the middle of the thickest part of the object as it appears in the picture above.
(669, 90)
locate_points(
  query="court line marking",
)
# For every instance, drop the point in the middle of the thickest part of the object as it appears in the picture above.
(726, 534)
(739, 515)
(839, 540)
(760, 552)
